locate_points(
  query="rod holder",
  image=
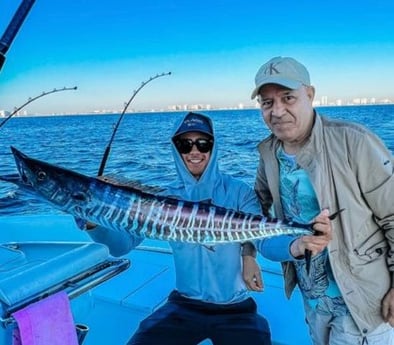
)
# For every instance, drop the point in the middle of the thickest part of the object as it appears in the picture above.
(82, 331)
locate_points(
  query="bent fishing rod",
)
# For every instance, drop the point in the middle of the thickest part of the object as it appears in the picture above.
(13, 28)
(33, 99)
(108, 148)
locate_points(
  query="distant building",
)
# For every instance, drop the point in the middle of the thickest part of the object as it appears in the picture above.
(4, 113)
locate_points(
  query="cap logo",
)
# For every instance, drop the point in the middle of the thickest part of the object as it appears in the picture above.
(271, 69)
(193, 122)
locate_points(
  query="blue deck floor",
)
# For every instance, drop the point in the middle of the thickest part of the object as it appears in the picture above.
(114, 309)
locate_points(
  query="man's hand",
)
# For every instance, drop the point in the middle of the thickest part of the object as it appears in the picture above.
(388, 307)
(251, 273)
(315, 243)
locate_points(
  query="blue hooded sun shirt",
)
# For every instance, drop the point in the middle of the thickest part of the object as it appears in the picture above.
(211, 274)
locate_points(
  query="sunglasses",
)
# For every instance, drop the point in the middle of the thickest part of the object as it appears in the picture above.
(186, 145)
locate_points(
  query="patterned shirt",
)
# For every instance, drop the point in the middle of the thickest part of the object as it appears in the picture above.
(300, 205)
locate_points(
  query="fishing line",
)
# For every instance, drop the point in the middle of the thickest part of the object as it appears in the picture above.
(33, 99)
(13, 28)
(108, 148)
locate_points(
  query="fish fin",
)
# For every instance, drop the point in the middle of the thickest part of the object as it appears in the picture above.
(209, 247)
(135, 184)
(308, 259)
(334, 215)
(81, 223)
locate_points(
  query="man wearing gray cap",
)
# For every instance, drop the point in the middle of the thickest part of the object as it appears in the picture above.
(311, 163)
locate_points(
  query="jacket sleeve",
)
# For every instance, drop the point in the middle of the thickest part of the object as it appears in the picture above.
(262, 189)
(373, 165)
(276, 248)
(118, 242)
(249, 203)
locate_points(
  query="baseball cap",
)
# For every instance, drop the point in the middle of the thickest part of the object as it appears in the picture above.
(195, 122)
(284, 71)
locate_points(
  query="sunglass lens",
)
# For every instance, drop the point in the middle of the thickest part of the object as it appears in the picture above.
(185, 146)
(203, 145)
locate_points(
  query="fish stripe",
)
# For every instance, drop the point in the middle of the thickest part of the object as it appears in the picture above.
(124, 208)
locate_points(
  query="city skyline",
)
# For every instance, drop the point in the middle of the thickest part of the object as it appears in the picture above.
(323, 102)
(212, 48)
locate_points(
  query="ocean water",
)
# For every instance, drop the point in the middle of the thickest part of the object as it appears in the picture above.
(141, 150)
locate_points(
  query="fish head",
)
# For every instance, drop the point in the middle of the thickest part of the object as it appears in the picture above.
(62, 187)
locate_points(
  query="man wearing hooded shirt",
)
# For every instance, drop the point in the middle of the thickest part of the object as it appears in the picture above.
(211, 299)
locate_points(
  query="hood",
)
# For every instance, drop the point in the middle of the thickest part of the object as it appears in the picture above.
(187, 186)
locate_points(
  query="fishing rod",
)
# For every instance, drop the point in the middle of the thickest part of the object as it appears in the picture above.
(108, 148)
(33, 99)
(13, 28)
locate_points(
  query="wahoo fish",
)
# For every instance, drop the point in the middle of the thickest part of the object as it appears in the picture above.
(126, 208)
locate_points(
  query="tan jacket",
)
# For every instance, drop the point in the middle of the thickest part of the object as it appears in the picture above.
(349, 168)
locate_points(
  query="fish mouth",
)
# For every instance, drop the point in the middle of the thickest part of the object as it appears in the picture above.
(18, 154)
(21, 165)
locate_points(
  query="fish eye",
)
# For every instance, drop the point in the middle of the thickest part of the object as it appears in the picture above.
(79, 196)
(41, 175)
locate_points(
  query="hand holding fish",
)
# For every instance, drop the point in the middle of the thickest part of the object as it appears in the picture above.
(315, 244)
(388, 307)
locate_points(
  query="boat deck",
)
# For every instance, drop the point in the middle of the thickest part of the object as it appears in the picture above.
(115, 307)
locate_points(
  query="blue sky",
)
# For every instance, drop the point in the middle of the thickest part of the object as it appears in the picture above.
(212, 47)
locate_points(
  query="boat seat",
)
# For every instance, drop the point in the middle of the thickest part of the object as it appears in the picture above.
(29, 268)
(30, 271)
